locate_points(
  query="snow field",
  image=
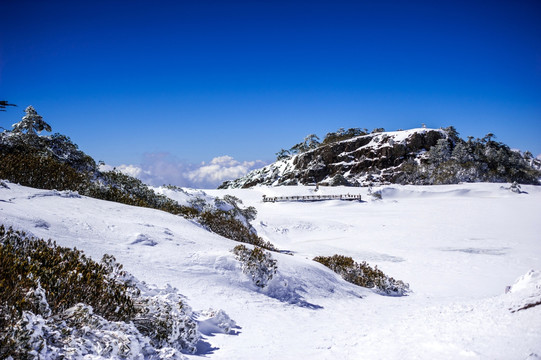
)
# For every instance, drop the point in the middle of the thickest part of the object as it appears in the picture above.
(458, 247)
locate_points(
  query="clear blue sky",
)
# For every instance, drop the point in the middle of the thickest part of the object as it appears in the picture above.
(201, 79)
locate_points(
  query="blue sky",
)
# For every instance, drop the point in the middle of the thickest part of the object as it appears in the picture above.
(191, 81)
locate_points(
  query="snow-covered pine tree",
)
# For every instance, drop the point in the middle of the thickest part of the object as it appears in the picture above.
(439, 153)
(32, 122)
(311, 141)
(462, 153)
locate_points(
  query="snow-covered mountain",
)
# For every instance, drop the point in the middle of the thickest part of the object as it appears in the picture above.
(416, 156)
(458, 246)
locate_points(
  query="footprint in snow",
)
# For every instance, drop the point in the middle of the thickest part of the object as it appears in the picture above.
(39, 223)
(168, 232)
(143, 239)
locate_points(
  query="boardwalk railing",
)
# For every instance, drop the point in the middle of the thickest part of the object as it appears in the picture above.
(311, 198)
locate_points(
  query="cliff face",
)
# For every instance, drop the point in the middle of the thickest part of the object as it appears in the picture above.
(377, 157)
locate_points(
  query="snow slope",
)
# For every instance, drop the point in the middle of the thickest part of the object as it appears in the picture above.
(458, 247)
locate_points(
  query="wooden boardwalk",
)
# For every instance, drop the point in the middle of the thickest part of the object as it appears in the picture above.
(311, 198)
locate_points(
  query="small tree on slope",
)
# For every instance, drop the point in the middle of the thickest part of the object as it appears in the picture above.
(32, 122)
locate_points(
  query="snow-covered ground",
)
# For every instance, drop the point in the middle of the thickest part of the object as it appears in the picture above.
(458, 246)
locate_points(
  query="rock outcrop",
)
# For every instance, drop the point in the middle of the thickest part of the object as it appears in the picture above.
(377, 157)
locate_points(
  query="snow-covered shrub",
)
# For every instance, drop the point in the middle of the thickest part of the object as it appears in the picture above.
(515, 187)
(225, 223)
(376, 195)
(215, 321)
(78, 332)
(67, 277)
(57, 303)
(342, 134)
(225, 217)
(166, 319)
(229, 204)
(125, 189)
(232, 204)
(54, 162)
(256, 263)
(199, 204)
(363, 275)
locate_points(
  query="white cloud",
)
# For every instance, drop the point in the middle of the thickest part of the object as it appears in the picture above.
(133, 170)
(221, 169)
(162, 168)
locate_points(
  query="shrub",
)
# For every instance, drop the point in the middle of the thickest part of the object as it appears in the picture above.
(215, 321)
(248, 214)
(515, 188)
(54, 162)
(34, 170)
(225, 224)
(376, 195)
(40, 277)
(227, 218)
(256, 263)
(66, 276)
(79, 333)
(343, 134)
(166, 320)
(364, 275)
(56, 302)
(125, 189)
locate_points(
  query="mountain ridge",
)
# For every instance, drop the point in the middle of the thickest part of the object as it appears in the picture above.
(419, 156)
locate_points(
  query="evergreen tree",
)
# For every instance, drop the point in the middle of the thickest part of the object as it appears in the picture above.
(32, 122)
(462, 153)
(298, 148)
(440, 152)
(283, 154)
(452, 134)
(342, 134)
(311, 141)
(488, 138)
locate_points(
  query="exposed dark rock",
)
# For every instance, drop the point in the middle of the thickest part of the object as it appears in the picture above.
(418, 156)
(349, 162)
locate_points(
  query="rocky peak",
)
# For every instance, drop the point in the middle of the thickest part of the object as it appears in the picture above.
(375, 157)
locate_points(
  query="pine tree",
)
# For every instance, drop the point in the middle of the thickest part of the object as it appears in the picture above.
(440, 152)
(32, 122)
(283, 154)
(311, 141)
(462, 153)
(452, 134)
